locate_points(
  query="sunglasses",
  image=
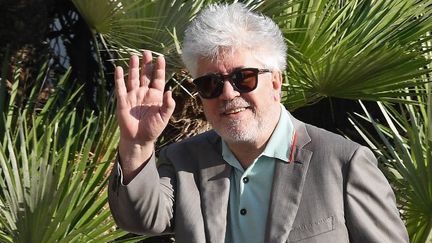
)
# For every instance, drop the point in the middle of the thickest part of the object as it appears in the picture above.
(243, 80)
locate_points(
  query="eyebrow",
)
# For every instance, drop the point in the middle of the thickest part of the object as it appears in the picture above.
(233, 70)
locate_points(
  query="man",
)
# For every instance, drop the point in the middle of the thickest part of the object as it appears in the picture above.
(260, 175)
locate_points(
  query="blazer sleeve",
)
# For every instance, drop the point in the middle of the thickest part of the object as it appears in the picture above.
(145, 205)
(371, 212)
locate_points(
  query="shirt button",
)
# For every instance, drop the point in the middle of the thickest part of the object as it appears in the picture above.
(243, 211)
(245, 179)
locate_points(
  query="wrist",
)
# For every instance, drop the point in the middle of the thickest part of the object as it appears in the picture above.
(133, 157)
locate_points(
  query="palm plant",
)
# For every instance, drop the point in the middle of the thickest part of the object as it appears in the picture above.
(362, 49)
(126, 26)
(404, 149)
(54, 163)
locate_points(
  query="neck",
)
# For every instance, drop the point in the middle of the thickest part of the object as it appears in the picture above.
(245, 152)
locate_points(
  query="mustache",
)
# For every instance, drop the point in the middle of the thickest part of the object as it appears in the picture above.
(233, 104)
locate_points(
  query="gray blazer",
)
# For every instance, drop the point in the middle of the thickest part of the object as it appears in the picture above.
(331, 192)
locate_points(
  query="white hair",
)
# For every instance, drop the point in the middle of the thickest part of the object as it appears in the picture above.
(231, 27)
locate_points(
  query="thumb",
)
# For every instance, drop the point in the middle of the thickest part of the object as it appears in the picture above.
(168, 106)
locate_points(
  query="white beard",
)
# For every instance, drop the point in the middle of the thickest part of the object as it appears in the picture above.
(237, 131)
(241, 131)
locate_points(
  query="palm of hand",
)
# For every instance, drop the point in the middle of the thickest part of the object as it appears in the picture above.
(143, 110)
(139, 114)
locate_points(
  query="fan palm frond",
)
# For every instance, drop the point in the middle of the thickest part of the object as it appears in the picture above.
(362, 49)
(404, 149)
(54, 163)
(128, 26)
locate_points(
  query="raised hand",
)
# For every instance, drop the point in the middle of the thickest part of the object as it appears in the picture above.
(143, 109)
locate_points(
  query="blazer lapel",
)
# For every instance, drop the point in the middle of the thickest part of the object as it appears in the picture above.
(215, 185)
(288, 182)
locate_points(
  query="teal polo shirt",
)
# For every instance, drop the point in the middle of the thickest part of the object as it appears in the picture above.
(250, 189)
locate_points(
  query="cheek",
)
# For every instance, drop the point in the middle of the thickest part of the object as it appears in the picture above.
(210, 108)
(205, 105)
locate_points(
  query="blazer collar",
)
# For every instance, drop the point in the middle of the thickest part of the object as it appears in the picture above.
(303, 137)
(215, 185)
(288, 182)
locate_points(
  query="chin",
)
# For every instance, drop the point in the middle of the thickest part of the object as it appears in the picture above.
(239, 136)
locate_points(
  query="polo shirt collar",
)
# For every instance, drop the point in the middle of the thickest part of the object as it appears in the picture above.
(279, 144)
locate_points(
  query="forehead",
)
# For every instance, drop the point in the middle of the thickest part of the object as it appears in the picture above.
(226, 62)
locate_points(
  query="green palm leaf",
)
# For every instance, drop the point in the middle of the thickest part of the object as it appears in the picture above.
(127, 26)
(363, 49)
(404, 149)
(54, 165)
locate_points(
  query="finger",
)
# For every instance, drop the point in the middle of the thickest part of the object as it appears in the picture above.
(159, 74)
(133, 77)
(167, 107)
(120, 87)
(146, 68)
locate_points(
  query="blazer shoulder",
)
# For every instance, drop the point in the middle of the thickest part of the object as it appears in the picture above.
(209, 138)
(320, 134)
(331, 143)
(193, 150)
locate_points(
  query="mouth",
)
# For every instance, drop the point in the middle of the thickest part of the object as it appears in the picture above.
(234, 107)
(234, 111)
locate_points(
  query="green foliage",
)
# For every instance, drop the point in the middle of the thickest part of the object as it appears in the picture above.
(128, 26)
(363, 49)
(54, 164)
(404, 148)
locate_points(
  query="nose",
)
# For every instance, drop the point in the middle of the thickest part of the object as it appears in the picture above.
(228, 92)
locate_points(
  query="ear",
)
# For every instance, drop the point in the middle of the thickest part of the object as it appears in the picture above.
(277, 84)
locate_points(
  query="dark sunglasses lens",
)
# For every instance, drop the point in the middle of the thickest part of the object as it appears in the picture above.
(245, 80)
(209, 86)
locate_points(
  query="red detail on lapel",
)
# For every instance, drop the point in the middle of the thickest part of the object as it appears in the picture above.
(293, 145)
